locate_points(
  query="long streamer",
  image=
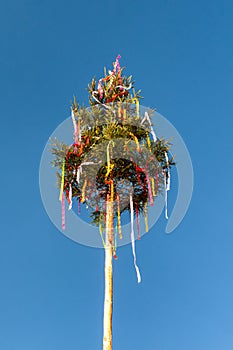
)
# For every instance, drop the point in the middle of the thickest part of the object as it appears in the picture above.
(76, 138)
(149, 189)
(117, 64)
(63, 211)
(70, 197)
(119, 217)
(62, 179)
(133, 240)
(153, 187)
(109, 165)
(136, 141)
(146, 117)
(83, 191)
(166, 185)
(146, 217)
(135, 100)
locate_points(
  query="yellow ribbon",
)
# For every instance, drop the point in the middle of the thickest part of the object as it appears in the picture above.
(62, 179)
(136, 140)
(124, 115)
(83, 191)
(135, 100)
(148, 141)
(153, 186)
(109, 165)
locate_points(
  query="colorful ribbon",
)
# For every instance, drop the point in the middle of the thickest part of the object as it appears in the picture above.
(135, 100)
(146, 217)
(62, 180)
(136, 141)
(70, 197)
(149, 189)
(63, 211)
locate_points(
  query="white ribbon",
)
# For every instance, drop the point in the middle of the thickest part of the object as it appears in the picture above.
(96, 99)
(133, 240)
(146, 117)
(80, 170)
(124, 87)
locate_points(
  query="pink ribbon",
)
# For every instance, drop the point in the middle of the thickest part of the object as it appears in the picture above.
(63, 211)
(149, 189)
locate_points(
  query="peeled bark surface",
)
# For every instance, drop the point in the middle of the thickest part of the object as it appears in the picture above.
(108, 299)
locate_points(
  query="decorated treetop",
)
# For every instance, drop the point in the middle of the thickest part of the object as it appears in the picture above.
(115, 155)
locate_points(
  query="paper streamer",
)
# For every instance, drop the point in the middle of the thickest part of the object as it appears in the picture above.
(83, 191)
(166, 216)
(146, 117)
(117, 64)
(146, 217)
(166, 185)
(100, 89)
(109, 165)
(153, 187)
(133, 240)
(168, 173)
(63, 212)
(135, 100)
(98, 101)
(148, 141)
(124, 87)
(76, 138)
(70, 197)
(149, 189)
(136, 141)
(62, 180)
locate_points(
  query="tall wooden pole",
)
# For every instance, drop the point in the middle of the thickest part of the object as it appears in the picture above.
(108, 300)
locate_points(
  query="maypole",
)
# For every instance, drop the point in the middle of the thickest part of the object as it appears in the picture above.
(115, 165)
(108, 273)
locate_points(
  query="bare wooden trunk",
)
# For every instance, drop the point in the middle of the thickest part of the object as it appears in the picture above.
(107, 332)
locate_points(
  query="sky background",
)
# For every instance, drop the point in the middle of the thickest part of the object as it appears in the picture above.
(51, 290)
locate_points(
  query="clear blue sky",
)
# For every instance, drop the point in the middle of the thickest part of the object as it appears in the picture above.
(51, 294)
